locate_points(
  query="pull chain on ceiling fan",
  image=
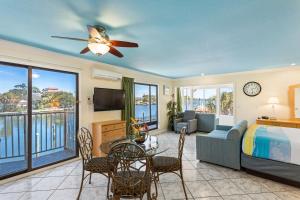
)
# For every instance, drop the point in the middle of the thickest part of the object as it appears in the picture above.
(99, 42)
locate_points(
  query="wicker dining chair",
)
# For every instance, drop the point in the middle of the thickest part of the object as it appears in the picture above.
(90, 164)
(129, 169)
(164, 164)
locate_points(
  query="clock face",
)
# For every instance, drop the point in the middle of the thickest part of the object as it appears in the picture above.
(252, 88)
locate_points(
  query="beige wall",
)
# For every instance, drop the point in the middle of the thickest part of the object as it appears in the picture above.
(16, 53)
(274, 83)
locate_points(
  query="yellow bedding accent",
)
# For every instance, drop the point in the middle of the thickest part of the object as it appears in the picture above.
(249, 139)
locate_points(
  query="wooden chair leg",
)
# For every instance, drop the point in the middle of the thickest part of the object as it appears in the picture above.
(182, 180)
(81, 185)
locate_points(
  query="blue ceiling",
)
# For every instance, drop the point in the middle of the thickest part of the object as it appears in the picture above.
(176, 38)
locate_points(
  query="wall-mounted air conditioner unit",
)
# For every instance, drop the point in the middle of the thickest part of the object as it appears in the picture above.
(103, 74)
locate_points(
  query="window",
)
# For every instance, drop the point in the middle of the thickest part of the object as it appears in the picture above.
(210, 99)
(226, 101)
(146, 99)
(38, 117)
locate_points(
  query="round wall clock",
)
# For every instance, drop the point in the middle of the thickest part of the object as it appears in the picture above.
(252, 89)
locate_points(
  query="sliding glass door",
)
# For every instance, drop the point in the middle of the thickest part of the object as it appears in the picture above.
(53, 116)
(146, 104)
(13, 119)
(38, 117)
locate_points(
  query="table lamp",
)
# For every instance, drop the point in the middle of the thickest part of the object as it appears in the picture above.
(273, 101)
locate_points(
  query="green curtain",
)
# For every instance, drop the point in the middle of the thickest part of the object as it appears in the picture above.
(128, 112)
(179, 100)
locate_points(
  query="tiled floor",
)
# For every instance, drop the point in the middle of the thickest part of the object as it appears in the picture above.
(203, 181)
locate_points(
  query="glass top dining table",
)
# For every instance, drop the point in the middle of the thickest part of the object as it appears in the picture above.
(151, 145)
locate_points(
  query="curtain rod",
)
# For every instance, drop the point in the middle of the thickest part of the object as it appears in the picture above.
(37, 62)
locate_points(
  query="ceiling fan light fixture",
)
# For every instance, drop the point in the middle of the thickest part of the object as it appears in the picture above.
(98, 48)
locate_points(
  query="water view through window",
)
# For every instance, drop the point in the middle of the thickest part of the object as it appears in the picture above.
(211, 99)
(53, 118)
(146, 104)
(13, 119)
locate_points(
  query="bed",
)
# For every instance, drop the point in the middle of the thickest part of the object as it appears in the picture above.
(272, 150)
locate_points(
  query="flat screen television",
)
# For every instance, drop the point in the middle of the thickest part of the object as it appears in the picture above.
(108, 99)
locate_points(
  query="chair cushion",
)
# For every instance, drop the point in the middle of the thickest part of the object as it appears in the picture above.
(97, 165)
(139, 182)
(165, 164)
(180, 125)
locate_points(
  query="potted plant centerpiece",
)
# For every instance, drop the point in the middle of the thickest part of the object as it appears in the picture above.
(139, 130)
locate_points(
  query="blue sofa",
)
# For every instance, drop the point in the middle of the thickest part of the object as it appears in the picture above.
(222, 146)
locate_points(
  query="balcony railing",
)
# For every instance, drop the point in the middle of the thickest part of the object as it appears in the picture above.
(51, 131)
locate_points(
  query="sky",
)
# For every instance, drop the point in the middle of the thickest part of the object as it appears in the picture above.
(11, 76)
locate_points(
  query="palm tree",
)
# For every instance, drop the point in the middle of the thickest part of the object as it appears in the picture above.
(227, 103)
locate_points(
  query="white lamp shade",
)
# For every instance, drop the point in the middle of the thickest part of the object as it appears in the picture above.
(273, 100)
(98, 48)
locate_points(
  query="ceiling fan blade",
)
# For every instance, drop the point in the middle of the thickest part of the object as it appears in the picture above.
(118, 43)
(85, 50)
(69, 38)
(93, 32)
(115, 52)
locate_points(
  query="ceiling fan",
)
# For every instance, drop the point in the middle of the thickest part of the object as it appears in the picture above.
(99, 42)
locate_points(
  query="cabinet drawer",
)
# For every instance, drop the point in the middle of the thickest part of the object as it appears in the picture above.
(266, 123)
(288, 125)
(119, 126)
(275, 124)
(113, 135)
(112, 127)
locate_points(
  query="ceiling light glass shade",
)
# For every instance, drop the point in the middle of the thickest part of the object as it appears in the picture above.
(98, 48)
(273, 100)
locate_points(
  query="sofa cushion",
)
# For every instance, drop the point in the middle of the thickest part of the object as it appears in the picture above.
(218, 134)
(188, 115)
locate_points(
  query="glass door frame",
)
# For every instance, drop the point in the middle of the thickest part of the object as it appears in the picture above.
(150, 85)
(28, 136)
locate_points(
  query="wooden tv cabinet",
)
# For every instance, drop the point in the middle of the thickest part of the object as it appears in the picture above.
(106, 131)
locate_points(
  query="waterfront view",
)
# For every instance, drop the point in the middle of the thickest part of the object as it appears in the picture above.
(53, 118)
(142, 112)
(146, 103)
(217, 100)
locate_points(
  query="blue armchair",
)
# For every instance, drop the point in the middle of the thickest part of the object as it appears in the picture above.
(222, 146)
(188, 120)
(206, 122)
